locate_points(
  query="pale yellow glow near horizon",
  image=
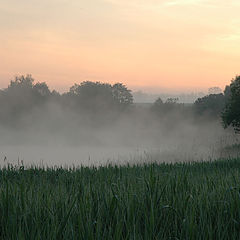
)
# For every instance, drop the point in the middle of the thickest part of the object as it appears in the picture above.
(180, 45)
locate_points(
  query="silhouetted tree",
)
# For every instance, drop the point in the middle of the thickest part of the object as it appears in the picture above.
(227, 93)
(122, 95)
(42, 89)
(23, 82)
(171, 101)
(96, 96)
(171, 104)
(20, 97)
(212, 104)
(231, 113)
(92, 96)
(158, 105)
(158, 102)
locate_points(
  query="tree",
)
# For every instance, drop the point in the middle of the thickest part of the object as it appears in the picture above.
(227, 92)
(18, 97)
(21, 82)
(96, 96)
(170, 105)
(122, 95)
(171, 101)
(21, 97)
(231, 113)
(42, 89)
(212, 104)
(158, 103)
(92, 96)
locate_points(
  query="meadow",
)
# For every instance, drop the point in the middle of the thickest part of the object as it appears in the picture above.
(194, 200)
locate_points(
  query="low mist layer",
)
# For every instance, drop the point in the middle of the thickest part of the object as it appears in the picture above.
(96, 124)
(135, 138)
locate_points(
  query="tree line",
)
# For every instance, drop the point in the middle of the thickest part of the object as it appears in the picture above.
(23, 95)
(225, 106)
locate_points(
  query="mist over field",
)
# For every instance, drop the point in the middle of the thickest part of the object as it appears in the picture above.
(98, 123)
(57, 137)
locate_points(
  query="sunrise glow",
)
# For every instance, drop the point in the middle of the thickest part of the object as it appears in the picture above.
(182, 45)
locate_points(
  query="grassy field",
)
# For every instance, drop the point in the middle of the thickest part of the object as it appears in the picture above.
(178, 201)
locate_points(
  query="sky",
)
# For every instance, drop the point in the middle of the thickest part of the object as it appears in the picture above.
(153, 45)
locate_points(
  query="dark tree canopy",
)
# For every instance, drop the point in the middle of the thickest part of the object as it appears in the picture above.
(21, 97)
(158, 102)
(41, 89)
(212, 104)
(171, 101)
(231, 113)
(227, 92)
(96, 96)
(23, 82)
(122, 96)
(158, 106)
(171, 104)
(97, 100)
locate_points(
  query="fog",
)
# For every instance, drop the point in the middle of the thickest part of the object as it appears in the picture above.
(53, 136)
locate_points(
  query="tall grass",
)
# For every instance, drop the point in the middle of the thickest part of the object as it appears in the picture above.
(175, 201)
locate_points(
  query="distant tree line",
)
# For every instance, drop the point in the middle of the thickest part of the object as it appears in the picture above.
(23, 95)
(225, 106)
(98, 97)
(143, 97)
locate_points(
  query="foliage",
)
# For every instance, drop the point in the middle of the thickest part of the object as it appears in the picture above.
(122, 96)
(92, 96)
(96, 96)
(227, 92)
(171, 104)
(103, 101)
(175, 201)
(23, 96)
(212, 104)
(158, 105)
(231, 114)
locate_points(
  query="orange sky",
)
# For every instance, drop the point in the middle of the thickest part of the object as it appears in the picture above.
(183, 45)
